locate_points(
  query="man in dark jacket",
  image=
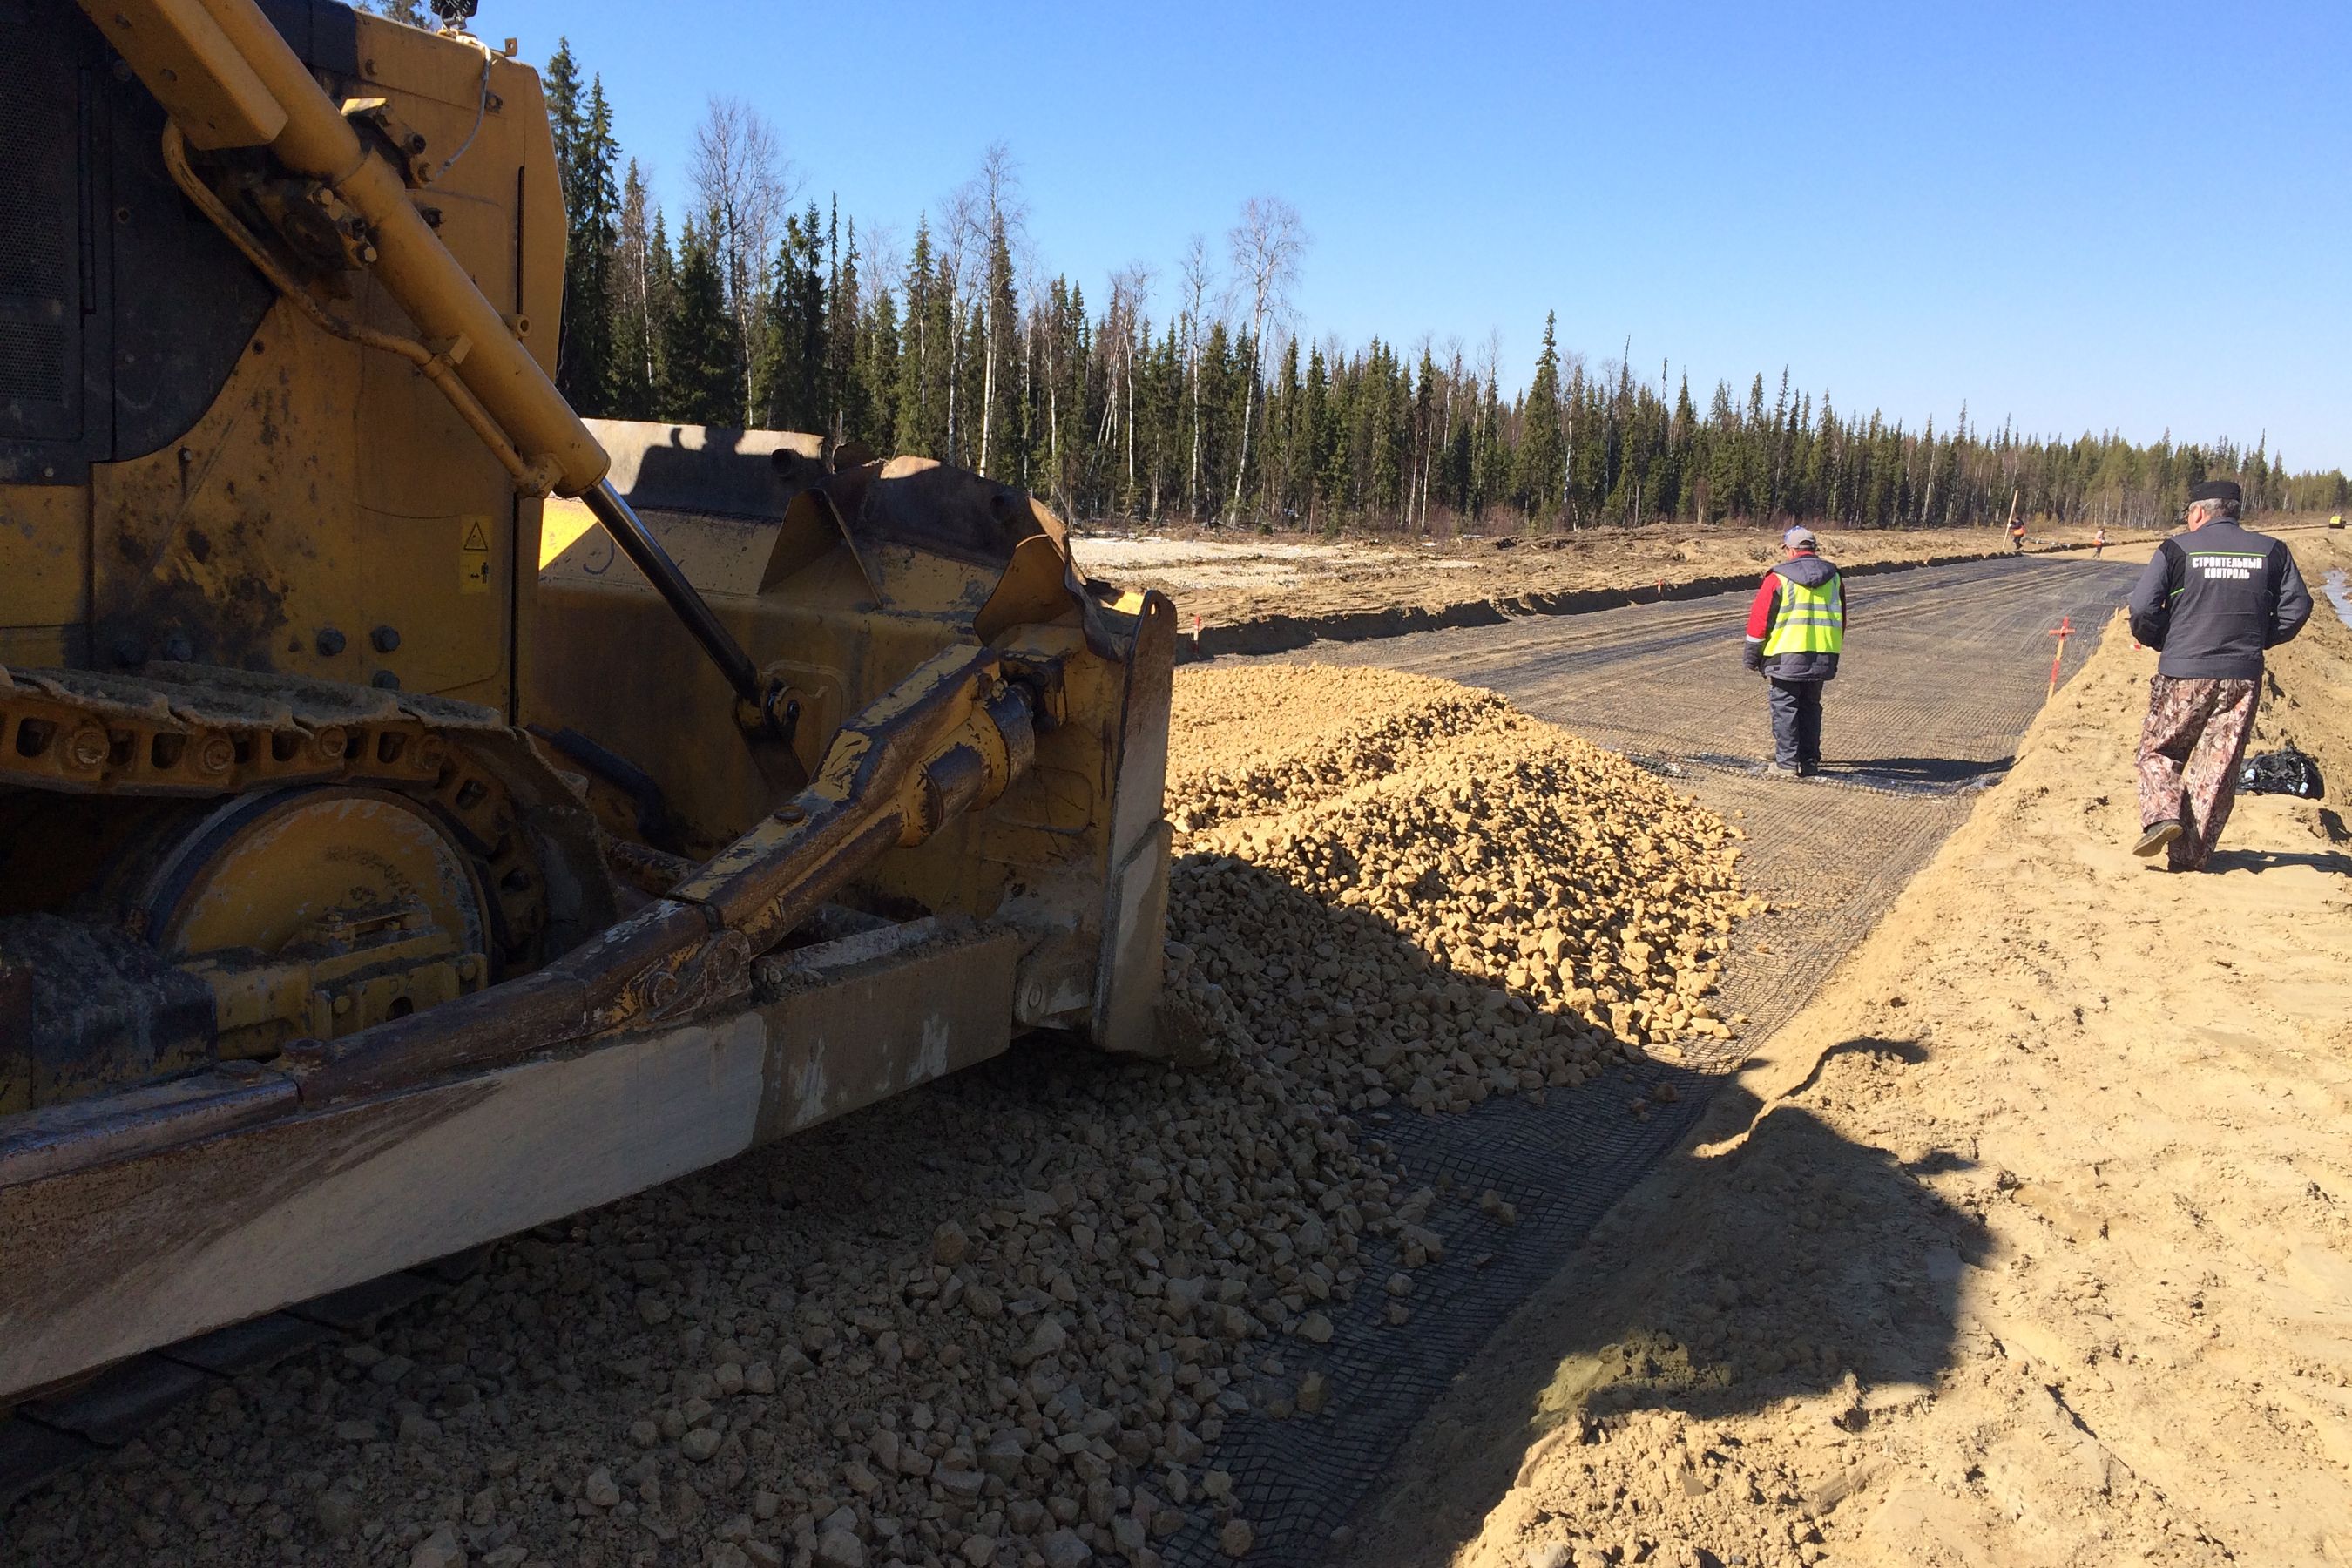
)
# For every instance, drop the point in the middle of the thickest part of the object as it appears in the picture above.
(2212, 600)
(1796, 628)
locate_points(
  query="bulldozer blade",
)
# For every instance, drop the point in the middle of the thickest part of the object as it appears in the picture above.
(102, 1261)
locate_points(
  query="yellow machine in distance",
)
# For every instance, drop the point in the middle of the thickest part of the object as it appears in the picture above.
(423, 813)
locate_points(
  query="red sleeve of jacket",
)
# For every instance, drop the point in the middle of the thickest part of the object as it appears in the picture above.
(1760, 610)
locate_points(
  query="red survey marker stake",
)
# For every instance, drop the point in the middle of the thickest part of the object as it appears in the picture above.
(2064, 629)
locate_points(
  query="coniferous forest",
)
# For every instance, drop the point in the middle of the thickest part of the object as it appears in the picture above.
(1190, 395)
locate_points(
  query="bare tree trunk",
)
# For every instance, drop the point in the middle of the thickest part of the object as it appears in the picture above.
(958, 235)
(1053, 410)
(1266, 247)
(1249, 394)
(988, 371)
(1192, 480)
(743, 181)
(955, 371)
(995, 180)
(1197, 279)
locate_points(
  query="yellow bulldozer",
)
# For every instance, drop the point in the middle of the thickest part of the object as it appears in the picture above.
(425, 814)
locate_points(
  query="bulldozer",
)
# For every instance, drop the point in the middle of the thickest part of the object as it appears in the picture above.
(424, 813)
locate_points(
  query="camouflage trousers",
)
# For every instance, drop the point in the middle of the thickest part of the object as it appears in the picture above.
(2190, 750)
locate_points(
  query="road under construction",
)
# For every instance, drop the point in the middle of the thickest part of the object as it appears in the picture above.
(814, 1289)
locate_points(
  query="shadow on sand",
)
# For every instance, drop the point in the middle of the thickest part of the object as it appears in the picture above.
(2260, 860)
(1770, 1259)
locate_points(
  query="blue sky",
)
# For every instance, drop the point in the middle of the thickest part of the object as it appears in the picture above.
(2085, 216)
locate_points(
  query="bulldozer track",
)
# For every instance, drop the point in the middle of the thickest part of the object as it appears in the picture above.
(195, 732)
(194, 729)
(44, 1437)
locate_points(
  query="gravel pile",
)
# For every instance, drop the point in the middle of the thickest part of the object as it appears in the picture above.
(1413, 890)
(1005, 1320)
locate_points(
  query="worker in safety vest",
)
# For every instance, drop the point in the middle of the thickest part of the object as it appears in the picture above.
(2099, 542)
(1796, 628)
(2017, 536)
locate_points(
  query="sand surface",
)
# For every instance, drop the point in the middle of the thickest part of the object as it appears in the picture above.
(2029, 1242)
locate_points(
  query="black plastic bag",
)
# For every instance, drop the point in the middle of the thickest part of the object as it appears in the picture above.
(2283, 772)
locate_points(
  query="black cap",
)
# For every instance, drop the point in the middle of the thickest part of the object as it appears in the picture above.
(2217, 489)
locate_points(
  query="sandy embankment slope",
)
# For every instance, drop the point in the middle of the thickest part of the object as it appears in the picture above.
(2029, 1242)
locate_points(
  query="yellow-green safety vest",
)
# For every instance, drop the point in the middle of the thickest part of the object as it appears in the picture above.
(1807, 620)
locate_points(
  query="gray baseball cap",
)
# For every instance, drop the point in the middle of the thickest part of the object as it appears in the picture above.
(1800, 538)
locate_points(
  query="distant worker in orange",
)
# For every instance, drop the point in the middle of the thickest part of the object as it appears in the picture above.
(1796, 629)
(2098, 542)
(2017, 536)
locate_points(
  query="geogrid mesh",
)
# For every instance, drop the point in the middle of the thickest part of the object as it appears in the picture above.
(1946, 668)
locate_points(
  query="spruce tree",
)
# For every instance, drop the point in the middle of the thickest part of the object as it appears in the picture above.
(661, 290)
(879, 357)
(789, 372)
(1284, 425)
(700, 352)
(1540, 469)
(585, 371)
(1681, 449)
(924, 350)
(845, 366)
(565, 122)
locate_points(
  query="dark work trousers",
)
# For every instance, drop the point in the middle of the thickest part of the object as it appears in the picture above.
(1797, 723)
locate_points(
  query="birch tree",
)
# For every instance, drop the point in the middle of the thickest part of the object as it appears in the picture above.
(635, 322)
(1000, 214)
(745, 184)
(962, 237)
(1267, 245)
(1129, 287)
(1197, 279)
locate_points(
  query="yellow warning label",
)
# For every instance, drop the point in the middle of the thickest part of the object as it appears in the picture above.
(474, 557)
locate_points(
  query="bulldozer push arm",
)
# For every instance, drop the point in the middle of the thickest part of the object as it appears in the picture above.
(948, 830)
(951, 736)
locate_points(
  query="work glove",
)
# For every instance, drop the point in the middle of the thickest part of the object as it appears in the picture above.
(1753, 656)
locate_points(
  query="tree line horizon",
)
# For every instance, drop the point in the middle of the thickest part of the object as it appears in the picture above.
(761, 313)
